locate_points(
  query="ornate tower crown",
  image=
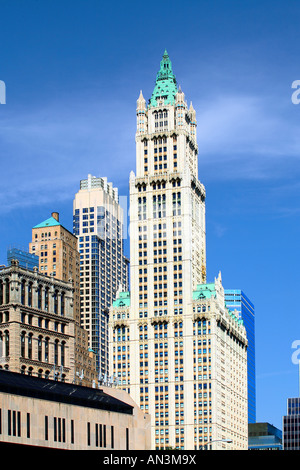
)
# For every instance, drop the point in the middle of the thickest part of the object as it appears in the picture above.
(166, 84)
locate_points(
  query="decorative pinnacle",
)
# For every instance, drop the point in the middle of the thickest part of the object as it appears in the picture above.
(166, 84)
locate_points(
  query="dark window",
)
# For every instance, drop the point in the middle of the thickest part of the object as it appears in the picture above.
(46, 428)
(112, 437)
(88, 434)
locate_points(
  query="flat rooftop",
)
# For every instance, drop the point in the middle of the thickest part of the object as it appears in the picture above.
(60, 392)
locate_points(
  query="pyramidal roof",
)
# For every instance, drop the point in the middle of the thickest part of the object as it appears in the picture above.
(166, 84)
(51, 222)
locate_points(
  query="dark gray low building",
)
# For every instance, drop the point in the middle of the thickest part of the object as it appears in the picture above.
(291, 425)
(264, 436)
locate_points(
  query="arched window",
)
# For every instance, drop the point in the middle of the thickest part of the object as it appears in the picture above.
(56, 301)
(62, 350)
(6, 340)
(40, 373)
(7, 294)
(30, 346)
(39, 297)
(56, 352)
(47, 349)
(47, 299)
(62, 304)
(23, 335)
(40, 343)
(30, 294)
(23, 283)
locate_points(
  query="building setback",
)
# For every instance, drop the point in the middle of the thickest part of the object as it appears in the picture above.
(174, 346)
(50, 414)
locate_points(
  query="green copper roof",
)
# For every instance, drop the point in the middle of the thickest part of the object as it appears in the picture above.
(123, 300)
(204, 291)
(51, 222)
(166, 84)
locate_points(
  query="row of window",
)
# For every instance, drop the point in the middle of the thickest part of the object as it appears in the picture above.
(26, 348)
(60, 429)
(26, 296)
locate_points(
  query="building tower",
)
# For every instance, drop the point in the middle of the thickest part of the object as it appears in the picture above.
(174, 346)
(56, 248)
(237, 300)
(99, 226)
(37, 335)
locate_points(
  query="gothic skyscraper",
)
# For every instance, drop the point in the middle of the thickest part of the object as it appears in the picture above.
(174, 346)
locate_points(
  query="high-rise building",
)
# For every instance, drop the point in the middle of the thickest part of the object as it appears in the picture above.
(237, 300)
(36, 324)
(99, 225)
(291, 425)
(56, 248)
(174, 346)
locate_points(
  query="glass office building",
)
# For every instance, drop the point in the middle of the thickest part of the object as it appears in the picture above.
(237, 300)
(98, 223)
(26, 260)
(264, 436)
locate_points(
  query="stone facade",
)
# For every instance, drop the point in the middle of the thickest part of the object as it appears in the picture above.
(53, 415)
(36, 324)
(191, 380)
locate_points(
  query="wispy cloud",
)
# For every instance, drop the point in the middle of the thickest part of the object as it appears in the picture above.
(45, 152)
(246, 137)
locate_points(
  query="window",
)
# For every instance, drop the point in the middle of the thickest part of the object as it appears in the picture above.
(46, 428)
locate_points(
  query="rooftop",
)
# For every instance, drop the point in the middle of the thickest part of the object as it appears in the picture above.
(45, 389)
(123, 300)
(166, 84)
(51, 222)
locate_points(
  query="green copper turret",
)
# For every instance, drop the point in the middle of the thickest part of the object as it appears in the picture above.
(166, 84)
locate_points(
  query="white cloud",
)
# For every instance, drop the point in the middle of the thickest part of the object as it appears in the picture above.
(45, 152)
(246, 136)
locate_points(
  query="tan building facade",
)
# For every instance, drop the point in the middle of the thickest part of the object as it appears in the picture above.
(191, 380)
(48, 414)
(58, 255)
(37, 333)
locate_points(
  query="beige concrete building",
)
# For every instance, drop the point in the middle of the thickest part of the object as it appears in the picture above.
(58, 255)
(174, 345)
(53, 415)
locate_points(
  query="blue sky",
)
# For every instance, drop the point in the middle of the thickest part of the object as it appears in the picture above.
(73, 72)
